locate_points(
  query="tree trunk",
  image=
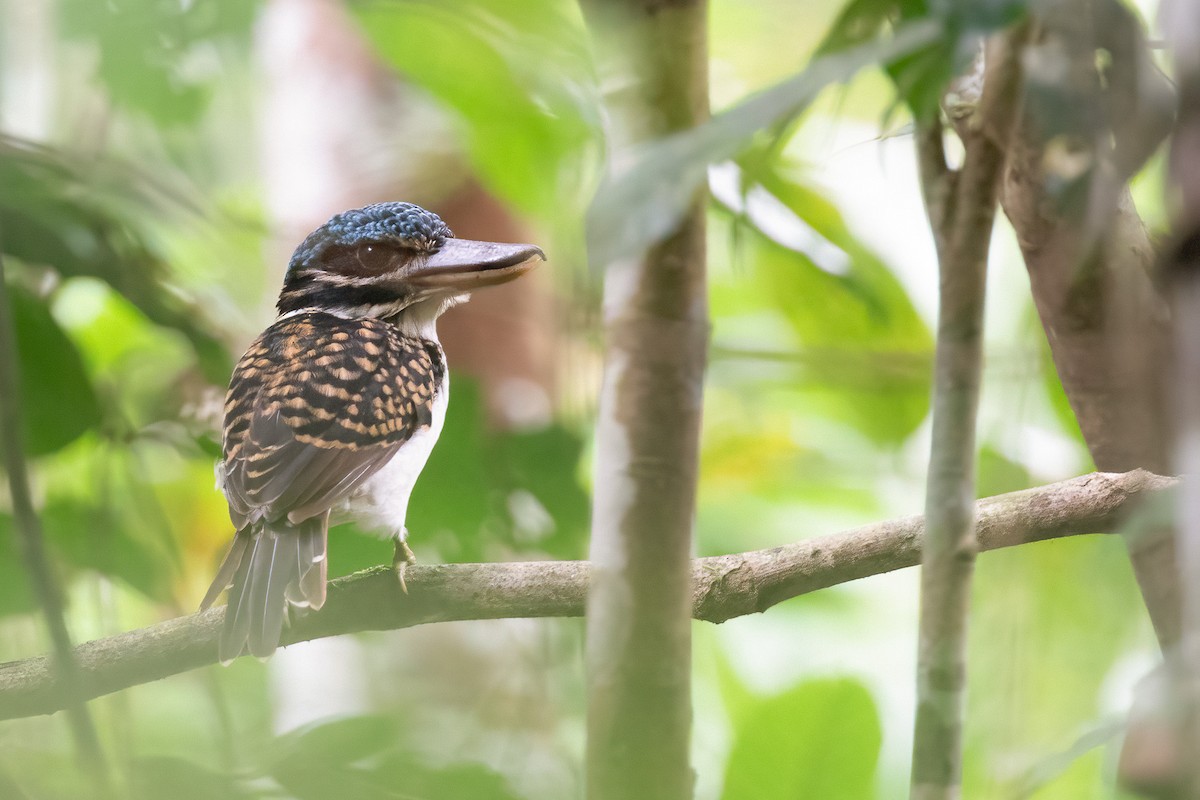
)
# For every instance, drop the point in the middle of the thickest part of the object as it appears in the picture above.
(1089, 256)
(638, 625)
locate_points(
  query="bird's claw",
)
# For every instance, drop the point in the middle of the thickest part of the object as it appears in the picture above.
(401, 559)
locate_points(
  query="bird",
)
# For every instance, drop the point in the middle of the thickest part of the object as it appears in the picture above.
(334, 409)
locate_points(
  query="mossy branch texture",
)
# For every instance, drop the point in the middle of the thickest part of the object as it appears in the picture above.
(723, 588)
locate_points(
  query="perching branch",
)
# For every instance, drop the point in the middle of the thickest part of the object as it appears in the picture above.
(31, 545)
(724, 587)
(962, 210)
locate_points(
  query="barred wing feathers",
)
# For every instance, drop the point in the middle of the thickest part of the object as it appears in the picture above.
(317, 405)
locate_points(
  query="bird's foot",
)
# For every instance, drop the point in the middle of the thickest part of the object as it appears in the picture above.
(401, 560)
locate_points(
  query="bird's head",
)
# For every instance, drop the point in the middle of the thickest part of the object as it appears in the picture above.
(394, 260)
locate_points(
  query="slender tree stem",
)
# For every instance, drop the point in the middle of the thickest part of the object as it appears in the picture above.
(32, 548)
(723, 587)
(962, 225)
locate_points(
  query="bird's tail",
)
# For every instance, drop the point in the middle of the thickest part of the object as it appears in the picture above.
(270, 564)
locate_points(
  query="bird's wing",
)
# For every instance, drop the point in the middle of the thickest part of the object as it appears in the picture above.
(316, 406)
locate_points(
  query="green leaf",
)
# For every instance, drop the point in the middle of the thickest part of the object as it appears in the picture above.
(465, 779)
(866, 354)
(921, 76)
(180, 779)
(74, 215)
(145, 45)
(546, 507)
(998, 474)
(356, 758)
(344, 740)
(516, 488)
(819, 739)
(453, 501)
(646, 200)
(15, 594)
(58, 403)
(104, 536)
(530, 122)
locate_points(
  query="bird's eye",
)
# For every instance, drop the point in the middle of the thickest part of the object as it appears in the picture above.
(364, 259)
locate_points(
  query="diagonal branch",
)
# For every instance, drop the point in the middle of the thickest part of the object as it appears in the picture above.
(724, 587)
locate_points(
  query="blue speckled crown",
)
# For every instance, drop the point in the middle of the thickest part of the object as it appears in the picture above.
(403, 224)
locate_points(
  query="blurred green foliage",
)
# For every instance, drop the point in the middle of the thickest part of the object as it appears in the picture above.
(526, 96)
(135, 251)
(819, 739)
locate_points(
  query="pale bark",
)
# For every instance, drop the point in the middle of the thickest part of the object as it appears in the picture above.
(638, 651)
(723, 587)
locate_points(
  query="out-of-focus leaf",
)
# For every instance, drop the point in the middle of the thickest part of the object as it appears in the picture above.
(546, 506)
(481, 488)
(53, 213)
(15, 597)
(145, 45)
(519, 76)
(357, 758)
(1052, 646)
(921, 76)
(323, 760)
(998, 474)
(469, 781)
(345, 740)
(58, 403)
(866, 353)
(452, 501)
(819, 739)
(104, 538)
(180, 779)
(101, 513)
(859, 21)
(1047, 769)
(9, 787)
(645, 201)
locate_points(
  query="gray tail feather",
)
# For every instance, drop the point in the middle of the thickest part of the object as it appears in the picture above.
(270, 565)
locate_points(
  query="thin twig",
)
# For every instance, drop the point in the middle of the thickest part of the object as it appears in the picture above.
(724, 587)
(936, 178)
(32, 547)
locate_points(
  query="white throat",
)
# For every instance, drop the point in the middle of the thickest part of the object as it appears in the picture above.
(420, 319)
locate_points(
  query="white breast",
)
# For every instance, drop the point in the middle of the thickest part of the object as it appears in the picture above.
(381, 504)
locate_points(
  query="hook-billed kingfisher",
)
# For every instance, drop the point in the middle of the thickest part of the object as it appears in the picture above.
(333, 411)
